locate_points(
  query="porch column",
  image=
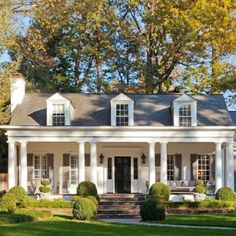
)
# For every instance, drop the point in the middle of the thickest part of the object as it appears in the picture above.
(11, 165)
(230, 165)
(23, 166)
(81, 162)
(218, 166)
(93, 152)
(151, 163)
(164, 163)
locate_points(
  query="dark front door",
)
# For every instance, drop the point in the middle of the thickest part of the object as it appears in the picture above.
(122, 174)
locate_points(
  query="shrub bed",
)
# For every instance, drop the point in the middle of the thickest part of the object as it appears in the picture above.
(203, 204)
(84, 209)
(45, 203)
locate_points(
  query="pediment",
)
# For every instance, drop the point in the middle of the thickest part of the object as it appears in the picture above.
(184, 98)
(121, 97)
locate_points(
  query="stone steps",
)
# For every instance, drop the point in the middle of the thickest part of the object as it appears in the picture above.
(120, 205)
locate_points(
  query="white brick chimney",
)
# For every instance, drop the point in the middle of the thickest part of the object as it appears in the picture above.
(17, 91)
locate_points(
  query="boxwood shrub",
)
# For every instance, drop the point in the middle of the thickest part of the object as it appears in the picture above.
(152, 210)
(87, 188)
(44, 189)
(160, 191)
(19, 193)
(84, 209)
(200, 189)
(8, 202)
(92, 198)
(226, 194)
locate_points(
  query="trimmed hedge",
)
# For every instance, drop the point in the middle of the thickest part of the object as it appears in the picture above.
(84, 209)
(199, 182)
(46, 203)
(203, 204)
(45, 182)
(92, 198)
(226, 194)
(19, 193)
(200, 189)
(44, 189)
(160, 191)
(8, 202)
(152, 210)
(87, 188)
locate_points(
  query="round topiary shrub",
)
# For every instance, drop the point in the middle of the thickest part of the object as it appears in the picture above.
(200, 189)
(160, 191)
(8, 202)
(84, 209)
(199, 182)
(152, 210)
(87, 188)
(44, 189)
(19, 193)
(226, 194)
(45, 182)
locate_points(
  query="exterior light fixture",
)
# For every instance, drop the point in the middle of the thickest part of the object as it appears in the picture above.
(143, 157)
(101, 157)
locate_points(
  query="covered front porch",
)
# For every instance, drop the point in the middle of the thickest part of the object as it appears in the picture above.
(120, 167)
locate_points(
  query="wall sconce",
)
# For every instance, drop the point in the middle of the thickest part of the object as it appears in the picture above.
(101, 157)
(143, 157)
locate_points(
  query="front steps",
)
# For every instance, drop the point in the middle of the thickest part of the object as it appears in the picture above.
(120, 206)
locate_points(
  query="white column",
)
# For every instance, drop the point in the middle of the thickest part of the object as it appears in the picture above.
(230, 165)
(11, 165)
(81, 162)
(164, 163)
(23, 166)
(93, 154)
(218, 167)
(151, 164)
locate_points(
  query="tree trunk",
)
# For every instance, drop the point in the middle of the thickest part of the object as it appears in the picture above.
(99, 80)
(214, 74)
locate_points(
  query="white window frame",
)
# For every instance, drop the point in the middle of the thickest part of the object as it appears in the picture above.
(40, 169)
(172, 169)
(74, 170)
(204, 169)
(186, 108)
(122, 108)
(58, 115)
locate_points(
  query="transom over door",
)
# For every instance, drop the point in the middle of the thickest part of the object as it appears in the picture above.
(122, 174)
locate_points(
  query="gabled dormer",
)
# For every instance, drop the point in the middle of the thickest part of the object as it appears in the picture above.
(59, 110)
(184, 111)
(122, 111)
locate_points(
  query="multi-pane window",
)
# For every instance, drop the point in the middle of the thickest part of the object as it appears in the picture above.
(109, 168)
(73, 169)
(185, 117)
(122, 115)
(135, 168)
(203, 172)
(58, 115)
(170, 167)
(40, 167)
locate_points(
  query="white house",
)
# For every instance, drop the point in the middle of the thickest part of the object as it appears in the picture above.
(120, 142)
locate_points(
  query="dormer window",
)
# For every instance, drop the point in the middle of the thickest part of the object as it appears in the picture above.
(59, 110)
(185, 117)
(122, 111)
(184, 111)
(122, 114)
(58, 115)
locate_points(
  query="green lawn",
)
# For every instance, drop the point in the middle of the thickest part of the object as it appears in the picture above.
(227, 220)
(65, 226)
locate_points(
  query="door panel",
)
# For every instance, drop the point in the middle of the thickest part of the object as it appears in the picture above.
(122, 174)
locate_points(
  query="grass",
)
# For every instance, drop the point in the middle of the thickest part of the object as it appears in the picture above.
(225, 220)
(23, 216)
(60, 226)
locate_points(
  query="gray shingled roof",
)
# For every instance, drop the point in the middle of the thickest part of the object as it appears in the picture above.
(149, 110)
(233, 116)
